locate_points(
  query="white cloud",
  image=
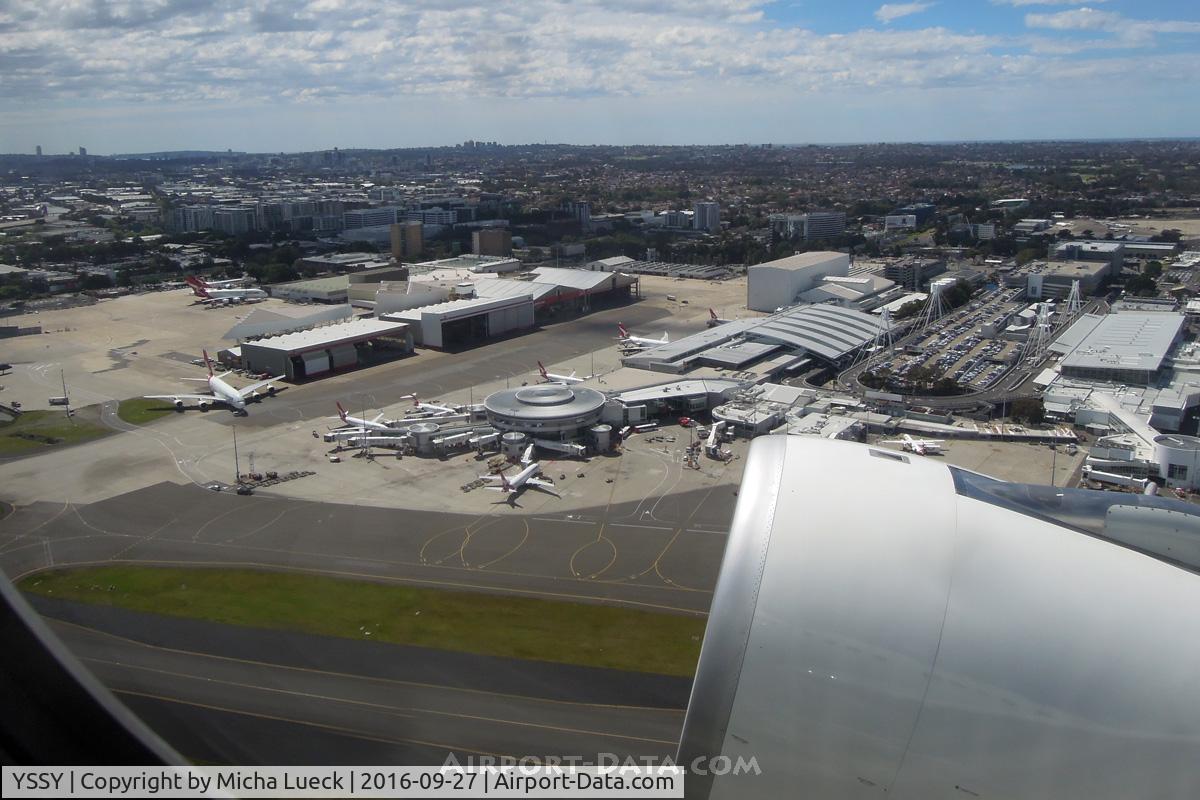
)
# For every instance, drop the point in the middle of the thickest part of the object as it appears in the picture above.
(1080, 19)
(1044, 2)
(889, 12)
(1125, 31)
(179, 51)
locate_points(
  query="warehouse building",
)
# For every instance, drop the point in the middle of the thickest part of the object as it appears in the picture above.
(315, 353)
(467, 321)
(778, 283)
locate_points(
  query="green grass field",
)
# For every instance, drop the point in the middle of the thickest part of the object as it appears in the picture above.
(38, 430)
(547, 630)
(139, 410)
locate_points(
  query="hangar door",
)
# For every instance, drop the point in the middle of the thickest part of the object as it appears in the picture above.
(344, 356)
(466, 330)
(315, 363)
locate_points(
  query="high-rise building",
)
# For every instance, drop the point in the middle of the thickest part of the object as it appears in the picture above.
(824, 224)
(491, 242)
(39, 149)
(83, 151)
(707, 216)
(408, 240)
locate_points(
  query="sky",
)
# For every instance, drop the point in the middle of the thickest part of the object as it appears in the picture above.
(148, 75)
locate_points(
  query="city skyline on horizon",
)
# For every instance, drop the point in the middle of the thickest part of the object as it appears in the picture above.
(165, 75)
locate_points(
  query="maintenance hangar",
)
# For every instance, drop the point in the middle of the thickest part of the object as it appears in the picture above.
(581, 290)
(466, 321)
(336, 288)
(332, 348)
(828, 333)
(260, 322)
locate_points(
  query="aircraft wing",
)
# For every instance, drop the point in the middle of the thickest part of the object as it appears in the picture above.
(173, 397)
(545, 486)
(247, 390)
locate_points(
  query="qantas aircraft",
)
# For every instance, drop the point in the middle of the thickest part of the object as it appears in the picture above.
(207, 294)
(378, 423)
(550, 377)
(525, 479)
(922, 447)
(714, 320)
(626, 339)
(221, 392)
(228, 283)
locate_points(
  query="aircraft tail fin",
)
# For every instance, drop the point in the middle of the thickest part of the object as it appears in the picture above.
(623, 330)
(341, 411)
(208, 364)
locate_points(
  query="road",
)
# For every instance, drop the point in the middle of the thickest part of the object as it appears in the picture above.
(225, 694)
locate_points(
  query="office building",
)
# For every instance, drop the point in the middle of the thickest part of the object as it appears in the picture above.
(407, 239)
(491, 242)
(706, 216)
(369, 217)
(1083, 250)
(824, 225)
(235, 220)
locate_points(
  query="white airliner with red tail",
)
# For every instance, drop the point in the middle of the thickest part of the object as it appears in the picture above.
(378, 423)
(221, 392)
(550, 377)
(208, 294)
(527, 478)
(922, 447)
(626, 339)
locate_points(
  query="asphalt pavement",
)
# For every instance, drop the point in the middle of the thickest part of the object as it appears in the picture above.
(228, 694)
(658, 554)
(515, 356)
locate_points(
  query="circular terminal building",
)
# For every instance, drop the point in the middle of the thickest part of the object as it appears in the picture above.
(549, 411)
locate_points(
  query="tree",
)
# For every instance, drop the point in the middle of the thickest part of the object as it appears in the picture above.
(1142, 286)
(1027, 254)
(1153, 269)
(1028, 409)
(97, 281)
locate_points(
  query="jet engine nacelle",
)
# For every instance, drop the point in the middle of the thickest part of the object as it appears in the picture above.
(204, 405)
(956, 636)
(179, 405)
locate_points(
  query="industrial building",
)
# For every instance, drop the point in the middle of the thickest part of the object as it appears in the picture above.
(336, 288)
(313, 353)
(779, 283)
(825, 332)
(1122, 348)
(260, 322)
(460, 322)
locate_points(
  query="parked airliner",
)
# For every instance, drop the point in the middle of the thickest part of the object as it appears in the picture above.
(221, 392)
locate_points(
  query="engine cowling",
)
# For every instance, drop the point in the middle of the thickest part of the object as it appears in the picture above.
(179, 405)
(888, 624)
(204, 405)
